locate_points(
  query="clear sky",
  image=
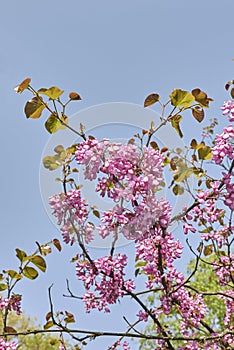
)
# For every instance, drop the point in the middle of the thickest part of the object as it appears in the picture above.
(108, 51)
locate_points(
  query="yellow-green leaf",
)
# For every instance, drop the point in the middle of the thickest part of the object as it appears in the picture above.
(175, 122)
(72, 149)
(205, 153)
(21, 255)
(30, 272)
(14, 275)
(151, 99)
(39, 262)
(48, 325)
(3, 286)
(53, 123)
(182, 172)
(53, 92)
(52, 162)
(34, 108)
(178, 190)
(181, 98)
(22, 86)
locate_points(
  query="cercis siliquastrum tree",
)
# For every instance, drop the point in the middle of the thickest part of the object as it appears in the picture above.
(131, 175)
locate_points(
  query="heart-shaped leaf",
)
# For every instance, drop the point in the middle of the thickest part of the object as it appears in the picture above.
(181, 98)
(53, 92)
(34, 108)
(53, 123)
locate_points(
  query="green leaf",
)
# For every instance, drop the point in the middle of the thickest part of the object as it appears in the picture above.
(72, 149)
(3, 287)
(151, 99)
(48, 325)
(178, 190)
(182, 172)
(52, 162)
(21, 255)
(30, 272)
(198, 113)
(53, 124)
(39, 262)
(34, 108)
(205, 153)
(57, 244)
(181, 98)
(175, 122)
(14, 275)
(140, 264)
(201, 97)
(53, 92)
(22, 86)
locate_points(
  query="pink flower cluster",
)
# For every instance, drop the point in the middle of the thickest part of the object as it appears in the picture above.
(137, 221)
(90, 153)
(129, 172)
(219, 236)
(224, 269)
(228, 109)
(71, 211)
(5, 345)
(205, 212)
(229, 318)
(223, 145)
(103, 281)
(229, 195)
(12, 303)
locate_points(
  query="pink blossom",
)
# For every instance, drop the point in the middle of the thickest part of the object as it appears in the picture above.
(188, 227)
(5, 345)
(228, 109)
(105, 278)
(223, 145)
(71, 211)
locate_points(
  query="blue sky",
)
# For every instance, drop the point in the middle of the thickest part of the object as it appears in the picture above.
(108, 52)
